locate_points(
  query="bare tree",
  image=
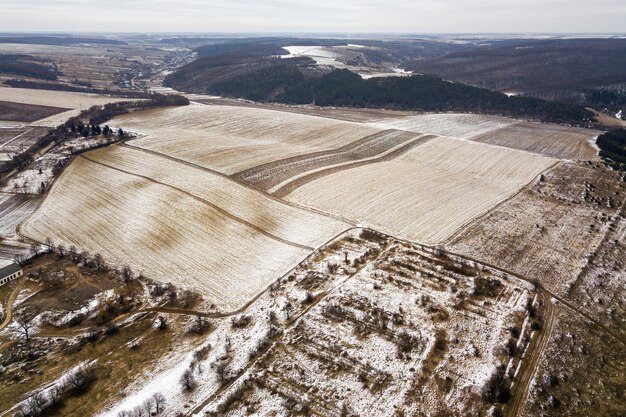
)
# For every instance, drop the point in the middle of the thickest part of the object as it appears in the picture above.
(199, 325)
(187, 380)
(54, 395)
(72, 253)
(221, 370)
(35, 405)
(25, 323)
(18, 259)
(80, 380)
(159, 402)
(127, 274)
(160, 323)
(147, 405)
(98, 261)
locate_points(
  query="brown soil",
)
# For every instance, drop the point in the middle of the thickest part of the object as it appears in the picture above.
(19, 112)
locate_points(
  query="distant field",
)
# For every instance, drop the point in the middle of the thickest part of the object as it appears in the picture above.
(74, 101)
(20, 112)
(231, 139)
(427, 193)
(173, 222)
(15, 140)
(457, 125)
(550, 140)
(546, 139)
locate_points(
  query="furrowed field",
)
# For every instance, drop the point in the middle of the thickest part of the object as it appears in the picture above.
(428, 193)
(230, 139)
(172, 223)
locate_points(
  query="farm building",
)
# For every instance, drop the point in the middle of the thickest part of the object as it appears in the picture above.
(9, 273)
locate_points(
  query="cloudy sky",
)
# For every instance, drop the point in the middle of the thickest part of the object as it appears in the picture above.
(363, 16)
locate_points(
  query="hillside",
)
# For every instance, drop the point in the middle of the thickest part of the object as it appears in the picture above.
(27, 66)
(550, 69)
(613, 145)
(285, 82)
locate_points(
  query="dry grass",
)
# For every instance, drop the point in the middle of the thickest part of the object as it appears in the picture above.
(429, 192)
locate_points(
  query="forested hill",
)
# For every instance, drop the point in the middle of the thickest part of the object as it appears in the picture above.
(285, 83)
(613, 145)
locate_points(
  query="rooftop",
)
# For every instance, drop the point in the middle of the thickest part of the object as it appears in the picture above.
(9, 269)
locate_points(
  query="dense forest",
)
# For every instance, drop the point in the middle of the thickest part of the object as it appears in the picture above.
(554, 69)
(74, 89)
(285, 83)
(613, 145)
(26, 66)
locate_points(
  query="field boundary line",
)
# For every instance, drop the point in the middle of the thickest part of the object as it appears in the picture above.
(261, 175)
(462, 228)
(241, 183)
(296, 183)
(208, 203)
(313, 171)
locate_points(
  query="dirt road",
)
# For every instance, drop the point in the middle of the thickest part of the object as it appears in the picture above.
(529, 368)
(9, 307)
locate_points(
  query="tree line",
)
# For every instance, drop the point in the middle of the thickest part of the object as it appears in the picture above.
(286, 84)
(613, 145)
(95, 116)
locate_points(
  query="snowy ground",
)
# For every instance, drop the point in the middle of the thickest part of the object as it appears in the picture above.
(365, 325)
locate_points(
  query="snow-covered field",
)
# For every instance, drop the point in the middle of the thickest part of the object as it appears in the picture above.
(320, 54)
(550, 140)
(336, 56)
(174, 224)
(230, 139)
(13, 210)
(552, 230)
(428, 193)
(385, 330)
(458, 125)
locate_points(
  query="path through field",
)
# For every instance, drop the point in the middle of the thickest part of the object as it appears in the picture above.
(8, 311)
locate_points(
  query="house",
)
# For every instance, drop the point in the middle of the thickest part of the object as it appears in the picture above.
(9, 273)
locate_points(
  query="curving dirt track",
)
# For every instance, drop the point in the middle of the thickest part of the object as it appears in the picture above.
(520, 391)
(9, 306)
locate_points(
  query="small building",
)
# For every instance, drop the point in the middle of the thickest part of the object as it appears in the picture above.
(9, 273)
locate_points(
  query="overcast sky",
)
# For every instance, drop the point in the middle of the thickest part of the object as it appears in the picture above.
(364, 16)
